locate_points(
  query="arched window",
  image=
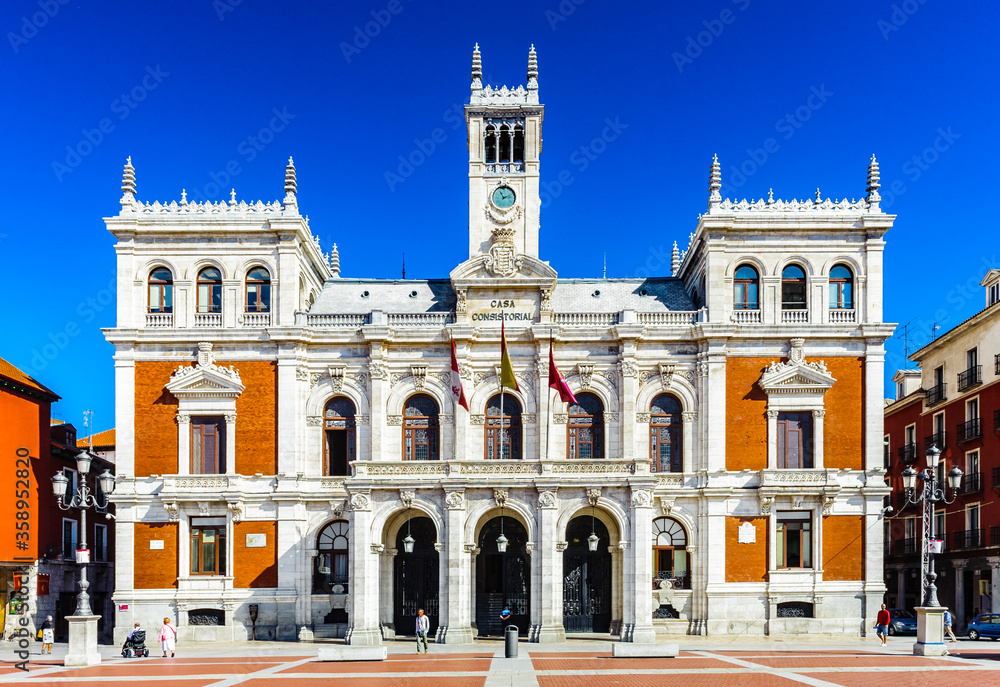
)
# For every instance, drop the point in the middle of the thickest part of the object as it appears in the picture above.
(511, 446)
(585, 427)
(420, 428)
(209, 290)
(745, 289)
(665, 434)
(330, 575)
(491, 144)
(518, 143)
(504, 144)
(841, 288)
(258, 290)
(161, 290)
(793, 288)
(341, 438)
(670, 560)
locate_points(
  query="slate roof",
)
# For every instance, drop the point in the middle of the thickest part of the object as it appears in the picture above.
(356, 296)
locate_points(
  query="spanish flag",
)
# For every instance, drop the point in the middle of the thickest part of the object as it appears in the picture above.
(556, 380)
(457, 392)
(507, 378)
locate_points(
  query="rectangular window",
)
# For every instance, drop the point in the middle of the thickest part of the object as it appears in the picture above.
(972, 409)
(939, 375)
(971, 358)
(939, 525)
(794, 539)
(795, 442)
(208, 446)
(994, 293)
(208, 546)
(72, 485)
(972, 521)
(885, 451)
(911, 435)
(100, 543)
(910, 525)
(69, 538)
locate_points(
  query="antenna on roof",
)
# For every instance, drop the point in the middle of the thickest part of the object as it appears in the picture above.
(934, 327)
(88, 427)
(404, 265)
(905, 331)
(605, 274)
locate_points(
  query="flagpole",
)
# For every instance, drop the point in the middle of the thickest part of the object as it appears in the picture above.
(548, 427)
(502, 343)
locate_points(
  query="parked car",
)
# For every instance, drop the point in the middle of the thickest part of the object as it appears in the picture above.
(902, 622)
(984, 625)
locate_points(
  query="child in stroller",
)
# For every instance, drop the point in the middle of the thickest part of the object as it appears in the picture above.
(135, 643)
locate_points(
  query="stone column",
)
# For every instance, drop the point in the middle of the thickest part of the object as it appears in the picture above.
(820, 451)
(958, 609)
(617, 570)
(289, 416)
(714, 404)
(380, 388)
(183, 421)
(292, 564)
(687, 440)
(456, 618)
(550, 563)
(387, 570)
(901, 588)
(638, 576)
(994, 600)
(772, 439)
(364, 564)
(628, 372)
(124, 533)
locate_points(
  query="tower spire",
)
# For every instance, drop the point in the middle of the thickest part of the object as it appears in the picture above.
(532, 68)
(714, 184)
(675, 260)
(335, 262)
(128, 185)
(873, 196)
(291, 187)
(477, 70)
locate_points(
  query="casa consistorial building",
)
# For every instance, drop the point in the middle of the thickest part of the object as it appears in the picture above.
(292, 461)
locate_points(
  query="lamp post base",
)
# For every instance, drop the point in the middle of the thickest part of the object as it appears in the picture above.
(930, 631)
(82, 641)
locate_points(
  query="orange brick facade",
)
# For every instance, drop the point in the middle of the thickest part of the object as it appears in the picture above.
(746, 414)
(156, 424)
(746, 562)
(155, 568)
(255, 567)
(843, 548)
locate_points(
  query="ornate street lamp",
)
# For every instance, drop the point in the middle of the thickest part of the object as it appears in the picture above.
(931, 493)
(501, 540)
(593, 540)
(408, 541)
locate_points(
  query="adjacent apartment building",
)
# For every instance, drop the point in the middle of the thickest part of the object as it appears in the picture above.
(953, 402)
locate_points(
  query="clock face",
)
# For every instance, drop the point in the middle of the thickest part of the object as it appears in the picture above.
(503, 197)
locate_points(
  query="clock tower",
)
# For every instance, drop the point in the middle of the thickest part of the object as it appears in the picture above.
(505, 142)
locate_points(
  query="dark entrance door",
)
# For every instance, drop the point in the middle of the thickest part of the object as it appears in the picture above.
(503, 580)
(416, 576)
(586, 578)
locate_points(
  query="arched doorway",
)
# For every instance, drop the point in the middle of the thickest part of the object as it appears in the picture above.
(503, 580)
(416, 577)
(586, 577)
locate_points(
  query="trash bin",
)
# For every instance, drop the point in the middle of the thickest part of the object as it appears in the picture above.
(510, 641)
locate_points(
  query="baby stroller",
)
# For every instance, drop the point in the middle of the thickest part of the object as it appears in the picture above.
(136, 644)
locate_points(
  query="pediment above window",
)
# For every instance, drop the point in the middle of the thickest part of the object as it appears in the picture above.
(206, 379)
(796, 376)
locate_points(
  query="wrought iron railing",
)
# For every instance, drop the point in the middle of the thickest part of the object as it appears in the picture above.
(936, 394)
(970, 377)
(996, 477)
(972, 482)
(967, 431)
(968, 539)
(995, 535)
(907, 453)
(901, 547)
(939, 439)
(674, 581)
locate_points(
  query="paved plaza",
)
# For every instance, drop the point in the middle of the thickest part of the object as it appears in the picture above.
(703, 662)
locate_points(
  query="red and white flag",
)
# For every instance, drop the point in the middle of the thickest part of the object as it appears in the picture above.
(557, 382)
(457, 393)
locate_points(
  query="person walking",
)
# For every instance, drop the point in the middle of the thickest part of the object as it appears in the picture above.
(423, 627)
(947, 625)
(168, 635)
(48, 635)
(882, 624)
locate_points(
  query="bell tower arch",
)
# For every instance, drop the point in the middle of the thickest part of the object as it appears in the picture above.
(505, 141)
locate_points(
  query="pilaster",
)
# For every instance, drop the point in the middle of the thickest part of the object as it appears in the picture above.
(549, 561)
(364, 564)
(456, 618)
(638, 574)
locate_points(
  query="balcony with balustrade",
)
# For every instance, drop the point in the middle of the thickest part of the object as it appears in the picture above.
(208, 319)
(746, 315)
(971, 377)
(667, 579)
(972, 483)
(255, 319)
(936, 394)
(843, 316)
(968, 539)
(904, 547)
(939, 439)
(907, 453)
(969, 431)
(797, 316)
(159, 320)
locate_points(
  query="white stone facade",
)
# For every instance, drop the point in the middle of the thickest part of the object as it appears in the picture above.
(626, 341)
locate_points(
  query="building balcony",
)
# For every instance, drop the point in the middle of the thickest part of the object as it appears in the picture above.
(967, 431)
(970, 377)
(908, 453)
(902, 547)
(255, 319)
(744, 315)
(843, 316)
(939, 439)
(208, 319)
(995, 482)
(995, 535)
(936, 394)
(794, 316)
(972, 483)
(968, 539)
(666, 579)
(158, 320)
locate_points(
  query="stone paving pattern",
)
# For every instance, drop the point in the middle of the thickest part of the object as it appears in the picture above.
(701, 663)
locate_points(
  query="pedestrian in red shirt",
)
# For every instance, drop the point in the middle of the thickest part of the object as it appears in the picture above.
(882, 624)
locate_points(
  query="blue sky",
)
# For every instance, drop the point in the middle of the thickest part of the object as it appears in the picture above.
(191, 88)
